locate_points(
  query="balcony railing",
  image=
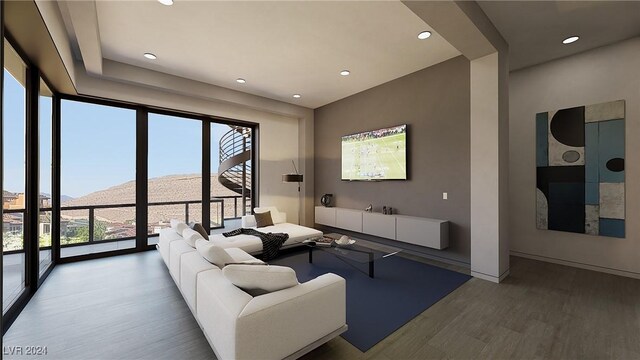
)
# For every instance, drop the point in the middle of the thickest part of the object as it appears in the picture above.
(13, 230)
(236, 206)
(89, 222)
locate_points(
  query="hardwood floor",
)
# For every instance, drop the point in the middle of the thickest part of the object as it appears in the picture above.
(127, 307)
(123, 307)
(541, 311)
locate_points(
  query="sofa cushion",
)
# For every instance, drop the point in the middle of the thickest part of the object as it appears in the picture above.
(191, 264)
(263, 219)
(176, 250)
(214, 254)
(261, 278)
(165, 237)
(191, 236)
(241, 256)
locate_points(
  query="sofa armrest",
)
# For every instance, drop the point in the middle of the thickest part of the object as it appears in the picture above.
(275, 325)
(166, 236)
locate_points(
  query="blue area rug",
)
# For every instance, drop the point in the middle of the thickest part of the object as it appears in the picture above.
(401, 290)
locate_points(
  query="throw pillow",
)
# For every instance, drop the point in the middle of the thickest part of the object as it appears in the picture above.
(178, 226)
(248, 221)
(253, 278)
(263, 219)
(191, 236)
(277, 216)
(200, 229)
(213, 254)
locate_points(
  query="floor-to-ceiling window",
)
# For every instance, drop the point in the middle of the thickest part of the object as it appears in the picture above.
(70, 186)
(45, 113)
(174, 171)
(96, 147)
(98, 173)
(231, 149)
(14, 184)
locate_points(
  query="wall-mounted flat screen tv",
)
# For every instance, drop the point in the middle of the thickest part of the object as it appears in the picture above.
(375, 155)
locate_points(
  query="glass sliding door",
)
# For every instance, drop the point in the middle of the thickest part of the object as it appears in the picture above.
(175, 172)
(14, 185)
(45, 113)
(231, 181)
(98, 178)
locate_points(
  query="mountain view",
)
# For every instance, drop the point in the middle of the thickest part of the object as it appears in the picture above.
(172, 188)
(94, 172)
(114, 223)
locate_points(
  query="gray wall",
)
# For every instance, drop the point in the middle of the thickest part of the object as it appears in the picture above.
(600, 75)
(434, 102)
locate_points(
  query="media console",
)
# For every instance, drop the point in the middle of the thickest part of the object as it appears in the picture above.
(431, 233)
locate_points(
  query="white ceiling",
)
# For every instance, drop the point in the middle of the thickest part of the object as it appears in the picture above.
(280, 47)
(535, 29)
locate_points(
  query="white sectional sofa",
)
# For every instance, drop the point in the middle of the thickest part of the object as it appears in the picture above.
(283, 324)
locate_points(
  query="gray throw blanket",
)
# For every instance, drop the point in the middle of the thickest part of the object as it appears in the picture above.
(271, 242)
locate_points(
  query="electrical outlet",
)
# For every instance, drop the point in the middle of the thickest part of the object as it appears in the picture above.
(445, 196)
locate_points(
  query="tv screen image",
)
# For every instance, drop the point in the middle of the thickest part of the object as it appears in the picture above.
(375, 155)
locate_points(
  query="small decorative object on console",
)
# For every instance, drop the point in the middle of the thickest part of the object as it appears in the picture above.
(369, 208)
(325, 200)
(320, 241)
(345, 241)
(384, 210)
(390, 211)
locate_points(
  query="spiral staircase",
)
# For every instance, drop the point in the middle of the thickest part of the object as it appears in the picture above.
(234, 171)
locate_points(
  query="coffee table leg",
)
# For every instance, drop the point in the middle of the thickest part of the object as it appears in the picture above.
(370, 265)
(310, 255)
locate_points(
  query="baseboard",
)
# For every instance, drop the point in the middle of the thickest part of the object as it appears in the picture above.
(494, 279)
(576, 264)
(441, 259)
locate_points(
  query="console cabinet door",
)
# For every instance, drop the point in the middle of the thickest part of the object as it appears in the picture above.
(379, 225)
(326, 216)
(349, 219)
(423, 232)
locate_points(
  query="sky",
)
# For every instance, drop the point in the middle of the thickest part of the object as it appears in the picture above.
(13, 134)
(98, 144)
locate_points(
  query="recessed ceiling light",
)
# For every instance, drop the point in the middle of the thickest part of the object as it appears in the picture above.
(570, 39)
(150, 56)
(297, 96)
(241, 81)
(424, 35)
(166, 2)
(345, 72)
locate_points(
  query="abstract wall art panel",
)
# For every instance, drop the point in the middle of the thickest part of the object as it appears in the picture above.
(580, 169)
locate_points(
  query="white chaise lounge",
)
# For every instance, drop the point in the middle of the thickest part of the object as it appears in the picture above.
(282, 324)
(253, 244)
